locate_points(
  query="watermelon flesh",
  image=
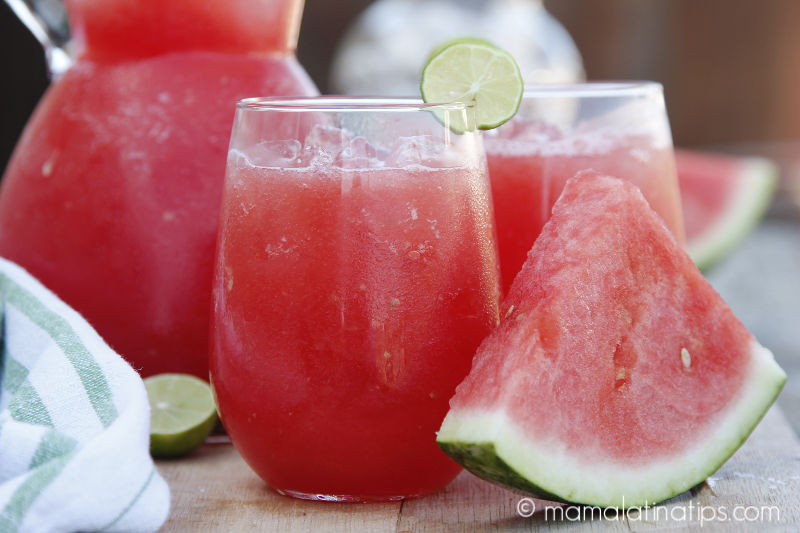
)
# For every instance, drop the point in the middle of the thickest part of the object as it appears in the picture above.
(618, 377)
(723, 198)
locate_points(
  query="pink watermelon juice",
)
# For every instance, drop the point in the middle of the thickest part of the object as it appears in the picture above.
(139, 28)
(530, 160)
(349, 301)
(112, 196)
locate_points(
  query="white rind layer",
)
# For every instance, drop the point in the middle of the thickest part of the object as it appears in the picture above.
(612, 484)
(758, 179)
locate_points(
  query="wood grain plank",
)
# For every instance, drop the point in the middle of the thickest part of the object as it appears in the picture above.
(762, 479)
(471, 505)
(214, 490)
(760, 484)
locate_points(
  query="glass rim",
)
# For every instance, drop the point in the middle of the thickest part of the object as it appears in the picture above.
(594, 89)
(346, 103)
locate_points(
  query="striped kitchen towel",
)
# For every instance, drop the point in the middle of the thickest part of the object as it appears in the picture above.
(74, 422)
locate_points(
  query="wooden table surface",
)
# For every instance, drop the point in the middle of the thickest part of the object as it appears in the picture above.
(214, 490)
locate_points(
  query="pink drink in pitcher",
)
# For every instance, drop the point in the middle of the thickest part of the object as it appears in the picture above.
(112, 195)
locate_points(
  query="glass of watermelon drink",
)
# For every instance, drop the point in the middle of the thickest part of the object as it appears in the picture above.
(112, 195)
(356, 274)
(619, 129)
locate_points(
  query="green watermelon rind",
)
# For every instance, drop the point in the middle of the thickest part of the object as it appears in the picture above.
(758, 180)
(490, 445)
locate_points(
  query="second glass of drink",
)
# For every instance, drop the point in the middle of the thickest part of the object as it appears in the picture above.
(617, 128)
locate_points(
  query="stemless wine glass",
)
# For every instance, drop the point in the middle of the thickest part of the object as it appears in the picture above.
(617, 128)
(356, 274)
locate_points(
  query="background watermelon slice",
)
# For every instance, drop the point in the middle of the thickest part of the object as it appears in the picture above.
(723, 198)
(618, 376)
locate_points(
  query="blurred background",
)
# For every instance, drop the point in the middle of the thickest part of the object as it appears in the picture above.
(729, 69)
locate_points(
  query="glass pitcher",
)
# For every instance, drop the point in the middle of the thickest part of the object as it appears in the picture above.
(111, 197)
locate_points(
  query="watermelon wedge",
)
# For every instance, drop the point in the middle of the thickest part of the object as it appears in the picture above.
(618, 377)
(723, 199)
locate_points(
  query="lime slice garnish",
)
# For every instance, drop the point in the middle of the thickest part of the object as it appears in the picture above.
(470, 69)
(182, 413)
(459, 40)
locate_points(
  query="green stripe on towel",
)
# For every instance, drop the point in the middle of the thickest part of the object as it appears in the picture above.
(65, 337)
(132, 502)
(14, 373)
(27, 406)
(13, 513)
(52, 445)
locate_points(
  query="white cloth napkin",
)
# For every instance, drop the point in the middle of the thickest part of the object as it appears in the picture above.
(74, 422)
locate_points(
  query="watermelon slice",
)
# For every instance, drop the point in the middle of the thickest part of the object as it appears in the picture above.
(723, 198)
(618, 377)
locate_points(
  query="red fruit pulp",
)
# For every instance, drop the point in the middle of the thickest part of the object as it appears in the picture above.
(607, 316)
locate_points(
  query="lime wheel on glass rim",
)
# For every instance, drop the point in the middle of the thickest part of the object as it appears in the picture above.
(473, 70)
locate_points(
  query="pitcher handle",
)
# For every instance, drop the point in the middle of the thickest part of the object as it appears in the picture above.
(49, 36)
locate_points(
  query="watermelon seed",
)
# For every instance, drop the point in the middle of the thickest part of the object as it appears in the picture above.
(510, 310)
(686, 358)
